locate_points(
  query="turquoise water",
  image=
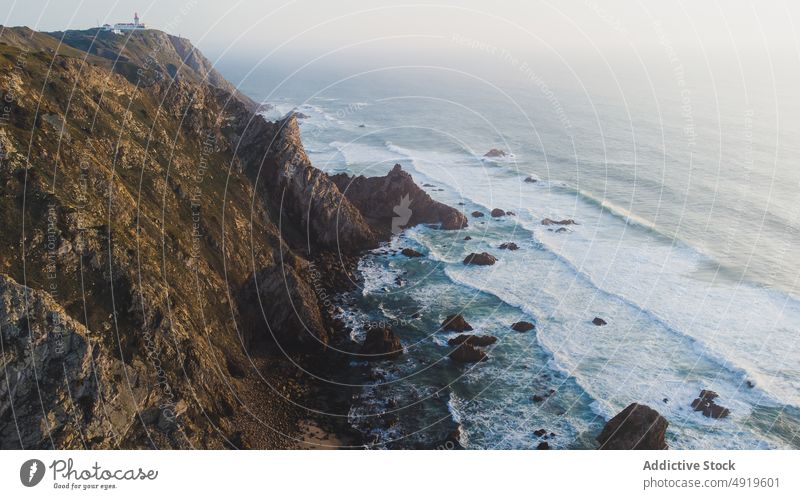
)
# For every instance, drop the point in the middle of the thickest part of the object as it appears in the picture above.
(689, 225)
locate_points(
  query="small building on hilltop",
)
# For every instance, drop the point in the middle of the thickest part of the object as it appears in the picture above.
(120, 27)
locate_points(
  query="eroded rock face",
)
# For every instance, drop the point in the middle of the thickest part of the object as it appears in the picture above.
(394, 202)
(637, 427)
(381, 343)
(57, 374)
(480, 259)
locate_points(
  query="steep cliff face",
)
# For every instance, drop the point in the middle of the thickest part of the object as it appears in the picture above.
(180, 241)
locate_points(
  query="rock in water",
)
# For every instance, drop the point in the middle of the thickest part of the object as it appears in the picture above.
(531, 180)
(472, 339)
(706, 404)
(477, 214)
(480, 259)
(569, 221)
(456, 323)
(411, 253)
(509, 246)
(468, 353)
(497, 212)
(381, 343)
(522, 326)
(597, 321)
(637, 427)
(495, 153)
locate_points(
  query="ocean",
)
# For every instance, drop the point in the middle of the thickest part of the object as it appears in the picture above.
(685, 196)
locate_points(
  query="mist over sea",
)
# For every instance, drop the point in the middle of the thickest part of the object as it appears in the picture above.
(683, 181)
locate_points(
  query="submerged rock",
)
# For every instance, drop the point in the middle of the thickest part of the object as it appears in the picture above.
(381, 343)
(637, 427)
(597, 321)
(457, 323)
(472, 339)
(411, 253)
(480, 259)
(531, 180)
(477, 214)
(509, 246)
(467, 238)
(522, 326)
(569, 221)
(468, 353)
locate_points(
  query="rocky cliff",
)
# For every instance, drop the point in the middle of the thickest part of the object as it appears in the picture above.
(163, 251)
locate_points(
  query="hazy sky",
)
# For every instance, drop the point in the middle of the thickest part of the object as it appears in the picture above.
(386, 26)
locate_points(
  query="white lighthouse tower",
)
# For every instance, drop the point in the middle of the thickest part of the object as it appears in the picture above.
(136, 19)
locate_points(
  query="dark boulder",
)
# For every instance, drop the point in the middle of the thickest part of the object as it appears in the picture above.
(522, 326)
(531, 180)
(457, 323)
(637, 427)
(381, 343)
(480, 259)
(497, 212)
(540, 432)
(543, 446)
(411, 253)
(477, 214)
(509, 246)
(472, 339)
(597, 321)
(468, 353)
(467, 238)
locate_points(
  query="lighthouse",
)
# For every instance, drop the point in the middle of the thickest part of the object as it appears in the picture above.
(135, 18)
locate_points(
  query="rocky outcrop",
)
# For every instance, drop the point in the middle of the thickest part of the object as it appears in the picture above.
(480, 259)
(706, 404)
(497, 212)
(509, 246)
(477, 214)
(472, 339)
(531, 180)
(394, 202)
(597, 321)
(381, 343)
(456, 323)
(637, 427)
(495, 153)
(522, 326)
